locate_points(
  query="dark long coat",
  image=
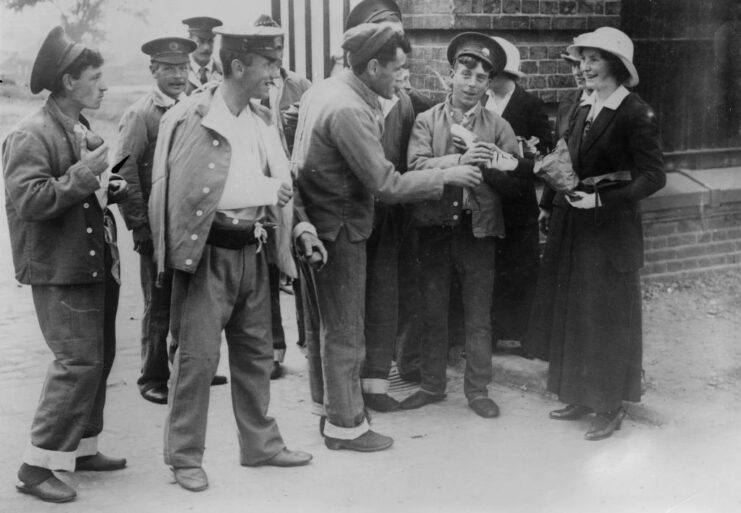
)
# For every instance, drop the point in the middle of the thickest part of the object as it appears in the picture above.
(517, 255)
(588, 301)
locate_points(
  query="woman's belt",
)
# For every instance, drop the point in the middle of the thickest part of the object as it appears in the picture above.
(595, 183)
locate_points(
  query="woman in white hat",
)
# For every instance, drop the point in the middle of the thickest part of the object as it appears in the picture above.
(589, 299)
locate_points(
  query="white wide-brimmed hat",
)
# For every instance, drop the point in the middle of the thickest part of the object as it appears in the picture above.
(609, 40)
(513, 57)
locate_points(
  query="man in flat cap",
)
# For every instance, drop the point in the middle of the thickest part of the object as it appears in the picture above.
(62, 238)
(203, 67)
(382, 278)
(138, 130)
(220, 178)
(457, 232)
(287, 90)
(341, 167)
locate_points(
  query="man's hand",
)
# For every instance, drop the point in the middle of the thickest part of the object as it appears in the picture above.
(544, 220)
(285, 193)
(143, 240)
(462, 176)
(290, 116)
(582, 200)
(118, 189)
(480, 153)
(503, 161)
(96, 160)
(312, 250)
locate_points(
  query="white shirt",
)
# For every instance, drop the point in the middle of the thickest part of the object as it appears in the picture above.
(387, 105)
(247, 189)
(197, 67)
(164, 100)
(495, 105)
(612, 102)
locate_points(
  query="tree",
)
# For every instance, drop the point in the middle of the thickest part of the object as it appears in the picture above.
(80, 18)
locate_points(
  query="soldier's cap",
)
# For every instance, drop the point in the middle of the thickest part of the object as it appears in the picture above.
(202, 26)
(265, 20)
(55, 55)
(479, 46)
(265, 41)
(363, 41)
(169, 50)
(373, 11)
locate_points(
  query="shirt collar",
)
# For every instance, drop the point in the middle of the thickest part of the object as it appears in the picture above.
(612, 102)
(470, 113)
(162, 100)
(197, 67)
(365, 92)
(387, 105)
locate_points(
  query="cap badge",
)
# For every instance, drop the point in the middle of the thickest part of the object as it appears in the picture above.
(485, 51)
(174, 46)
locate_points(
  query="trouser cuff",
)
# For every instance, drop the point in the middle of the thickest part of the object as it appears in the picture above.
(279, 355)
(343, 433)
(52, 460)
(375, 385)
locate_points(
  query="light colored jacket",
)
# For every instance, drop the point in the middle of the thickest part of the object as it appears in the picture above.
(431, 146)
(191, 164)
(340, 161)
(138, 131)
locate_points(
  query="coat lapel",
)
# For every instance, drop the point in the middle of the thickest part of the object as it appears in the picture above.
(574, 136)
(600, 124)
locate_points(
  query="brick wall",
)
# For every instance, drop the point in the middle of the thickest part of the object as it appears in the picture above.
(541, 30)
(685, 242)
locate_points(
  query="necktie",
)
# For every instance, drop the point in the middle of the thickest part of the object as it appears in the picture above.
(204, 75)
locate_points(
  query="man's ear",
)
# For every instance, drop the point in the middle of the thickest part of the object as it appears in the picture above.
(372, 67)
(152, 68)
(67, 82)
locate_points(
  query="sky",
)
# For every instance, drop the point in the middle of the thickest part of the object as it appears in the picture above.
(24, 32)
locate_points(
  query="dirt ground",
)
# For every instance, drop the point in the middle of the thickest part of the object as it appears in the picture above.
(679, 450)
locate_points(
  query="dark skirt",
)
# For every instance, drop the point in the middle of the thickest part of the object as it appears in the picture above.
(586, 317)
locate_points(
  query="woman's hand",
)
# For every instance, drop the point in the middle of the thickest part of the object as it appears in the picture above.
(582, 200)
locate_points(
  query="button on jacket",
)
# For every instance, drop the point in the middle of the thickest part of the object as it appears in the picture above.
(191, 165)
(341, 163)
(138, 131)
(431, 146)
(55, 220)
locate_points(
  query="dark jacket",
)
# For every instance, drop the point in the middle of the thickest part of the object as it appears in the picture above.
(54, 218)
(626, 139)
(526, 114)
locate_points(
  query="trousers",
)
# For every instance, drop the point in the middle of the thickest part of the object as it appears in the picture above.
(229, 292)
(78, 323)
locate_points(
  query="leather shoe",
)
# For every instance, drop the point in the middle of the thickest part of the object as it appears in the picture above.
(277, 370)
(191, 478)
(381, 402)
(157, 395)
(219, 380)
(605, 424)
(370, 441)
(99, 463)
(571, 412)
(285, 458)
(484, 407)
(51, 489)
(421, 398)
